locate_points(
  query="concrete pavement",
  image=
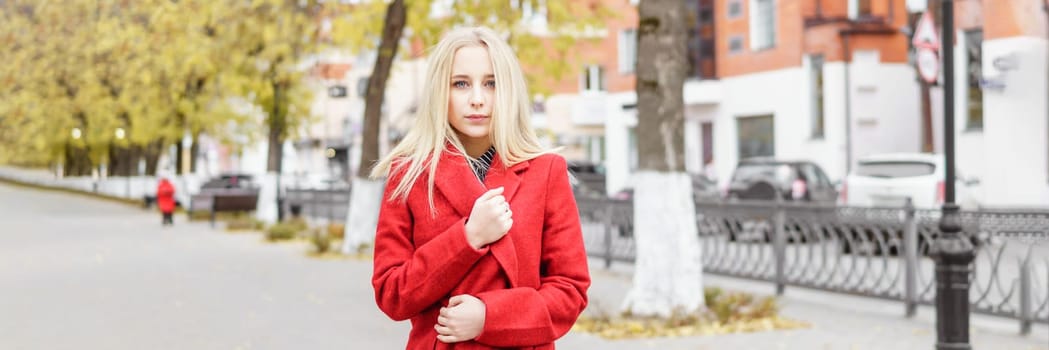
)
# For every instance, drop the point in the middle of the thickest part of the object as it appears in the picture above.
(80, 273)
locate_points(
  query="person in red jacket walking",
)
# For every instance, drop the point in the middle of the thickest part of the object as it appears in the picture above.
(478, 241)
(166, 200)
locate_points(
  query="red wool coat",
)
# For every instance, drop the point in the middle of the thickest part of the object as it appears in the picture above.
(533, 281)
(165, 196)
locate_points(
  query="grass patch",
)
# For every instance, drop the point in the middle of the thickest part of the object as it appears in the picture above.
(244, 222)
(333, 251)
(727, 312)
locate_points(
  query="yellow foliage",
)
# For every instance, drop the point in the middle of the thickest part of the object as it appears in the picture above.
(160, 69)
(157, 68)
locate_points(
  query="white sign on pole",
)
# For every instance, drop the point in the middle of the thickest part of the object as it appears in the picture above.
(928, 44)
(928, 64)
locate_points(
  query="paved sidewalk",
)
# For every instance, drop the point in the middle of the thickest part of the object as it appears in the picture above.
(79, 273)
(838, 322)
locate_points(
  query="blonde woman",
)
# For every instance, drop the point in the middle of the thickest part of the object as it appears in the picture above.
(478, 241)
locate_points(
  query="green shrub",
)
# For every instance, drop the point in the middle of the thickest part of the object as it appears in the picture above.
(321, 241)
(336, 230)
(281, 231)
(299, 224)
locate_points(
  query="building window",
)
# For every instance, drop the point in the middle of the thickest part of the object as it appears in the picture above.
(860, 9)
(735, 9)
(816, 73)
(701, 39)
(362, 87)
(627, 50)
(756, 136)
(632, 158)
(735, 44)
(595, 146)
(974, 55)
(593, 78)
(762, 24)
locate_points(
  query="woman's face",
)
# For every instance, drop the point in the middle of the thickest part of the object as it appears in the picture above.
(471, 95)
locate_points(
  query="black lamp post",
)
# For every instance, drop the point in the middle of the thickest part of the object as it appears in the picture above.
(954, 253)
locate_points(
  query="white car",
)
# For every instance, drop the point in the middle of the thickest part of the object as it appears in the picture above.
(887, 180)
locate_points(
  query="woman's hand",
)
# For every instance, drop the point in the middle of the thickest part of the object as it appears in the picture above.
(490, 219)
(462, 320)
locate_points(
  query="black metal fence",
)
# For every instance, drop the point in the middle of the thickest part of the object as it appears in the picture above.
(874, 252)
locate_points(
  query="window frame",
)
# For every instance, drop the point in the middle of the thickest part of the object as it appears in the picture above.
(763, 30)
(627, 51)
(818, 117)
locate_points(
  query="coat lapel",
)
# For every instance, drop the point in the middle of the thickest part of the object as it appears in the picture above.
(503, 250)
(457, 183)
(498, 176)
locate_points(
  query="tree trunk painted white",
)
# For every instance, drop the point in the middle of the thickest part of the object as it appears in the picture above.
(668, 273)
(266, 209)
(363, 218)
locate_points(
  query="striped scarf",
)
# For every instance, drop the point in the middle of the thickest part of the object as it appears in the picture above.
(480, 165)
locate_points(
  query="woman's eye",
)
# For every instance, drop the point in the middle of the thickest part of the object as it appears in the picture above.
(459, 84)
(490, 83)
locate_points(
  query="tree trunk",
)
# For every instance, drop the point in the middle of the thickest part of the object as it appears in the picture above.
(193, 150)
(391, 37)
(276, 131)
(366, 196)
(269, 205)
(178, 157)
(668, 270)
(115, 163)
(153, 157)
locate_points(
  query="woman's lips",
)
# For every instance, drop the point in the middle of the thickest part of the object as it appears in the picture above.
(476, 118)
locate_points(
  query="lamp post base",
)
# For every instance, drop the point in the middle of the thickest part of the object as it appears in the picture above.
(954, 255)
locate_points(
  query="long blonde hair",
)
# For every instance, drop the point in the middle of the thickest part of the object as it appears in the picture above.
(511, 134)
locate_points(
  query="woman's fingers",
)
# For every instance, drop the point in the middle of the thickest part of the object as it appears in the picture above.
(448, 339)
(442, 330)
(492, 193)
(496, 201)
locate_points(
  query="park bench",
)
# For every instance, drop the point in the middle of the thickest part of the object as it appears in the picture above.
(227, 200)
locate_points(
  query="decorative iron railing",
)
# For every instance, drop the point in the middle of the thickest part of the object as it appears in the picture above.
(875, 252)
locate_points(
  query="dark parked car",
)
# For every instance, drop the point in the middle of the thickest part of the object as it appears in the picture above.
(703, 189)
(765, 178)
(229, 181)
